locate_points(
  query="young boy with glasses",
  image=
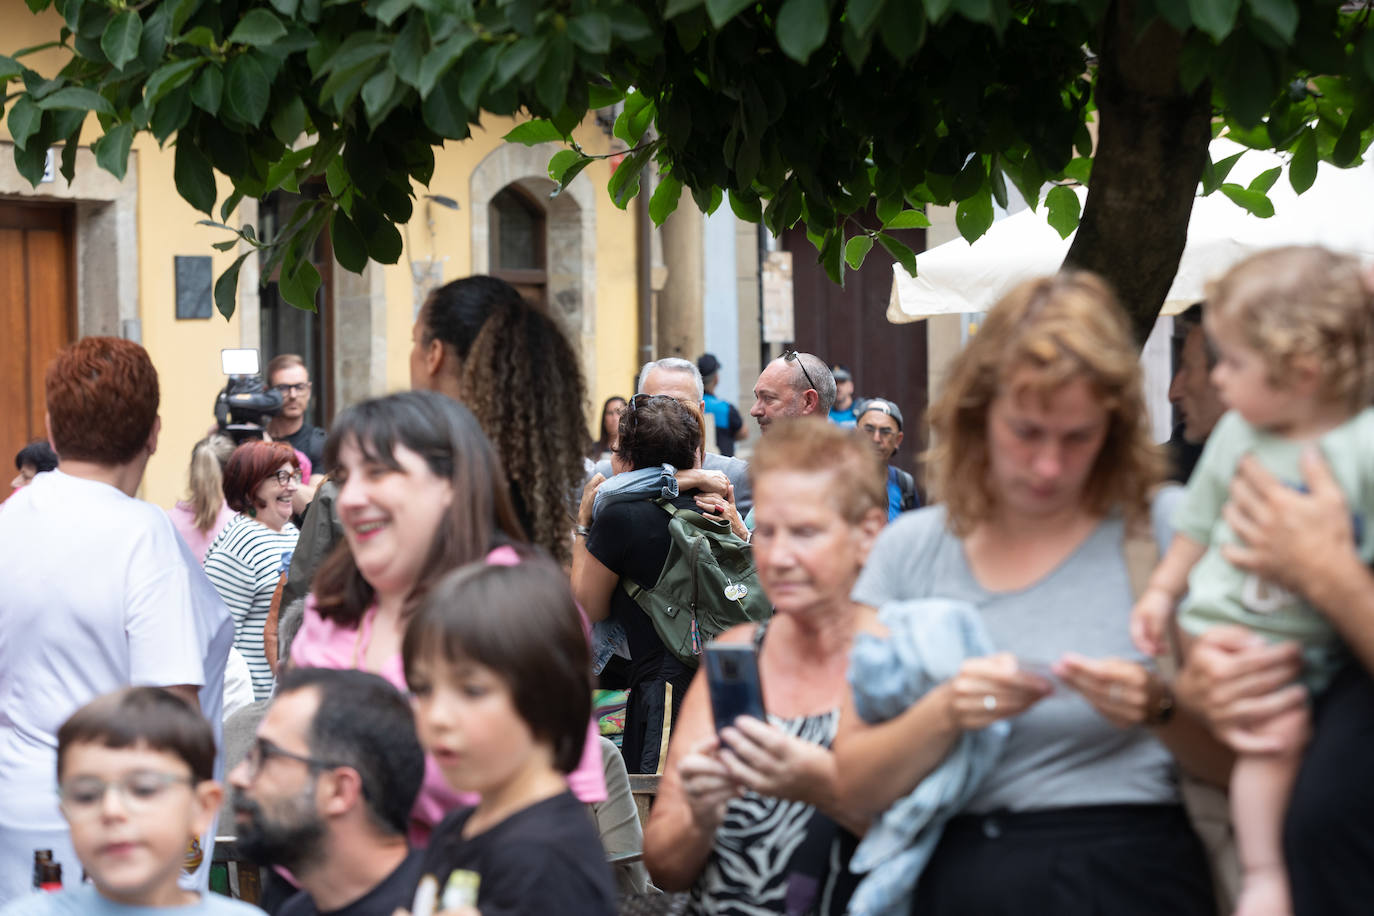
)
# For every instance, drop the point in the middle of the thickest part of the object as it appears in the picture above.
(135, 773)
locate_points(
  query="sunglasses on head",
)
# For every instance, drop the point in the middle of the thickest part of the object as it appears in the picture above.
(792, 356)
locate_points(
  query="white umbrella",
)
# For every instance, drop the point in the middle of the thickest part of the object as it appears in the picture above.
(1336, 212)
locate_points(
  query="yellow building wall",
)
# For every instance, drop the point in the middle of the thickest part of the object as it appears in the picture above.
(186, 353)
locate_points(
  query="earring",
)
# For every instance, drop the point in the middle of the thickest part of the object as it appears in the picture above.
(194, 856)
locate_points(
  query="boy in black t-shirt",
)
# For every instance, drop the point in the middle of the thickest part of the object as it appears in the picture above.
(497, 661)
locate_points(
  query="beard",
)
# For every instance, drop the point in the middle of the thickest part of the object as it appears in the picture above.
(295, 844)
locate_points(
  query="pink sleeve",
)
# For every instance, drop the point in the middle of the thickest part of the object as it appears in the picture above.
(321, 644)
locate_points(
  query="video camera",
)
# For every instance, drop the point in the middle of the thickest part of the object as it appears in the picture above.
(246, 404)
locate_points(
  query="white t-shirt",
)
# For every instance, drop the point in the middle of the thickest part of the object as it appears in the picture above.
(85, 901)
(99, 592)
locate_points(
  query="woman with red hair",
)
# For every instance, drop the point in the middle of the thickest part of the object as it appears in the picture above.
(247, 559)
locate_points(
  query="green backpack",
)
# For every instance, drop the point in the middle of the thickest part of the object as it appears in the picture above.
(708, 584)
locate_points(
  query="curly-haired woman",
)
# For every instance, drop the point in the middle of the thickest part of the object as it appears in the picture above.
(479, 343)
(247, 559)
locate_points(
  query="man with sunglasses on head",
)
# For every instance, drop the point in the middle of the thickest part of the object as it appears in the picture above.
(793, 385)
(326, 790)
(286, 372)
(880, 421)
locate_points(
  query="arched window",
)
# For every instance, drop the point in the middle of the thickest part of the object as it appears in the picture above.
(518, 242)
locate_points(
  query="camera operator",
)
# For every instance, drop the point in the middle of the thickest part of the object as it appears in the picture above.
(287, 374)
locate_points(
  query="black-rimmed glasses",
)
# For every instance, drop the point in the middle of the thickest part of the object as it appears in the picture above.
(298, 388)
(792, 356)
(264, 750)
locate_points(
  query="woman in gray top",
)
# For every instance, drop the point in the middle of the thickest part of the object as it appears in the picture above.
(1043, 460)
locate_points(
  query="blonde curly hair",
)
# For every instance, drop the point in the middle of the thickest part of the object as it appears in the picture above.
(1303, 303)
(1065, 327)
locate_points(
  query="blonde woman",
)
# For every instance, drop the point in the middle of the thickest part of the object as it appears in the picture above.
(203, 514)
(1043, 463)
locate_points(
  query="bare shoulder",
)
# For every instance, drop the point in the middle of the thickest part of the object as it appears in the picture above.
(741, 633)
(866, 621)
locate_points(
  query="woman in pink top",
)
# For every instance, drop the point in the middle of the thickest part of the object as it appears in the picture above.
(200, 518)
(420, 493)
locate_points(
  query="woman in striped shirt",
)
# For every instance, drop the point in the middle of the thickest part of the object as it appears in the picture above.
(248, 558)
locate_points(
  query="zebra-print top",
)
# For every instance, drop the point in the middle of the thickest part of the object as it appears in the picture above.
(776, 856)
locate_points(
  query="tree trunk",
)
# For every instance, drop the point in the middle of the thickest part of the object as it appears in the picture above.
(1151, 150)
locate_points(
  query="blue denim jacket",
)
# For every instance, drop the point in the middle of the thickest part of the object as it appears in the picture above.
(927, 641)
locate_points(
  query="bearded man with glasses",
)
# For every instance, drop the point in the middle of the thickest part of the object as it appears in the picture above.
(326, 790)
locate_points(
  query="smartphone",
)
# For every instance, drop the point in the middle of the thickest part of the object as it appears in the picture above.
(732, 674)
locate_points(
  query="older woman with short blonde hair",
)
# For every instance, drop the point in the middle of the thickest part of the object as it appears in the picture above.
(1043, 468)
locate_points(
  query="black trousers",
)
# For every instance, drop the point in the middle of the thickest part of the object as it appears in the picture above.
(1112, 860)
(649, 716)
(1329, 835)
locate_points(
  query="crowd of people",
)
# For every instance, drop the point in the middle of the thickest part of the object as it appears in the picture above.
(1018, 699)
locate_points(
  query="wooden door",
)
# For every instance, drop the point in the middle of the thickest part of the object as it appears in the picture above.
(37, 313)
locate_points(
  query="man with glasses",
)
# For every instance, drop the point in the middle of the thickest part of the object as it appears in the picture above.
(287, 373)
(326, 790)
(881, 421)
(793, 385)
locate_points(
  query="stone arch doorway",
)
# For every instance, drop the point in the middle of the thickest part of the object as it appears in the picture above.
(568, 271)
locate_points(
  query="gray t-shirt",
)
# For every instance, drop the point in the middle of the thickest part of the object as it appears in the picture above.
(1061, 752)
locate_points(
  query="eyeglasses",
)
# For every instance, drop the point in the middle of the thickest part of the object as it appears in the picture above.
(298, 388)
(81, 799)
(792, 356)
(285, 477)
(879, 431)
(264, 750)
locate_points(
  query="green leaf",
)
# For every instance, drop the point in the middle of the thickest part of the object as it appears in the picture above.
(624, 183)
(1062, 210)
(665, 199)
(746, 206)
(888, 208)
(77, 99)
(908, 219)
(248, 89)
(24, 119)
(802, 27)
(298, 287)
(168, 77)
(286, 166)
(112, 150)
(387, 11)
(377, 93)
(208, 90)
(349, 248)
(444, 110)
(973, 216)
(227, 287)
(1265, 180)
(563, 160)
(230, 204)
(258, 28)
(1174, 12)
(288, 121)
(1302, 171)
(9, 68)
(408, 54)
(570, 173)
(603, 96)
(1255, 202)
(900, 251)
(1080, 170)
(862, 15)
(384, 243)
(591, 32)
(856, 249)
(199, 37)
(121, 37)
(1214, 173)
(194, 178)
(534, 131)
(1280, 15)
(171, 114)
(678, 7)
(438, 61)
(722, 11)
(516, 58)
(1215, 17)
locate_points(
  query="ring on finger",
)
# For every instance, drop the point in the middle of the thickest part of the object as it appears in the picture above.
(989, 702)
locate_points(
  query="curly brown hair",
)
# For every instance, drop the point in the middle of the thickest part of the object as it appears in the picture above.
(1065, 327)
(522, 379)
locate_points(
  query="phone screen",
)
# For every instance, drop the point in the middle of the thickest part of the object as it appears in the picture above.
(732, 673)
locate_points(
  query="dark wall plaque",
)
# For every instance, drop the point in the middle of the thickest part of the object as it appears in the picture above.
(194, 278)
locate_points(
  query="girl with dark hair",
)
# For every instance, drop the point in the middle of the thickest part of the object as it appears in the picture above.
(478, 342)
(420, 493)
(247, 559)
(629, 540)
(609, 431)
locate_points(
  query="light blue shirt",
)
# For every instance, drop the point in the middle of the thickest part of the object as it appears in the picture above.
(85, 900)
